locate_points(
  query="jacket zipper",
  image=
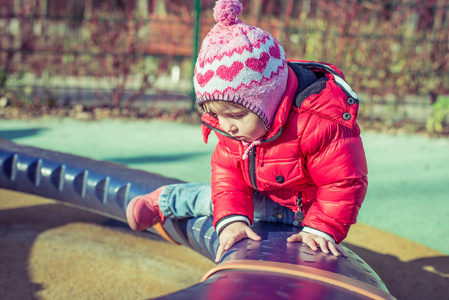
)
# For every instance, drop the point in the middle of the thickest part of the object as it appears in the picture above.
(252, 167)
(252, 160)
(251, 154)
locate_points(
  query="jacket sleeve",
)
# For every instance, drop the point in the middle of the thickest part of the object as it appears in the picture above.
(337, 165)
(231, 196)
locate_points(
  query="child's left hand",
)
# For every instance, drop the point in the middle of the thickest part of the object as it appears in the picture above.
(314, 241)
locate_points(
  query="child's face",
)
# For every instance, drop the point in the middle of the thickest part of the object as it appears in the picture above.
(239, 122)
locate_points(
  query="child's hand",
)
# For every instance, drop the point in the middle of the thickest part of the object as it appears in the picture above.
(232, 234)
(314, 241)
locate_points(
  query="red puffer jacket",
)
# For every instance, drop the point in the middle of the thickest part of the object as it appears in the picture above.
(313, 150)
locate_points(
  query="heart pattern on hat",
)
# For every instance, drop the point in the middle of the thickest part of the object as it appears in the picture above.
(204, 79)
(229, 73)
(275, 51)
(259, 64)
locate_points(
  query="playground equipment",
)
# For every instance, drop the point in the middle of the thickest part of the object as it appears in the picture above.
(267, 269)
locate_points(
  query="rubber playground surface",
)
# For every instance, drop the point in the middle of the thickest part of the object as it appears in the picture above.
(52, 251)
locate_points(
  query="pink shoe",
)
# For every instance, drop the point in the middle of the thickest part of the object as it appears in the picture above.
(143, 211)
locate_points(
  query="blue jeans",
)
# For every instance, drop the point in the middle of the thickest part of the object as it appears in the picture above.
(186, 200)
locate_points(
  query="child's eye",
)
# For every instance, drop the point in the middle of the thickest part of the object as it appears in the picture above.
(239, 115)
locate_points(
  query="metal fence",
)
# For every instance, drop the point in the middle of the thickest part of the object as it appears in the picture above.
(127, 52)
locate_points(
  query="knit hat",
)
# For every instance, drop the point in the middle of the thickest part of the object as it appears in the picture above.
(241, 64)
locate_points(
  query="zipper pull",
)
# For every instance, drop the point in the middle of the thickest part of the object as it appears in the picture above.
(299, 215)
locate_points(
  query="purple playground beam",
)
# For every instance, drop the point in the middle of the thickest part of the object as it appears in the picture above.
(267, 269)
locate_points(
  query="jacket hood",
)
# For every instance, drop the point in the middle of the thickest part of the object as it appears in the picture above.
(330, 96)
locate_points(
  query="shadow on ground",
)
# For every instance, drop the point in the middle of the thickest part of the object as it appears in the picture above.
(424, 278)
(163, 159)
(19, 229)
(20, 133)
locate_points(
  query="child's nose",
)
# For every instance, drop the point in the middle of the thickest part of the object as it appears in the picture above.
(228, 126)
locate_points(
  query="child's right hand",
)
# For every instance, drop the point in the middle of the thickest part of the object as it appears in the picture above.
(232, 234)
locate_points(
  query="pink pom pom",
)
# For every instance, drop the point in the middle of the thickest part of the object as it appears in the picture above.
(227, 11)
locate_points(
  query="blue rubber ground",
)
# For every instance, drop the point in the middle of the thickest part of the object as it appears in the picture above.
(408, 191)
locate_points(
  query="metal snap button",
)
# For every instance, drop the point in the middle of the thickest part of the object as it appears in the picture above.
(347, 116)
(299, 215)
(280, 179)
(351, 101)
